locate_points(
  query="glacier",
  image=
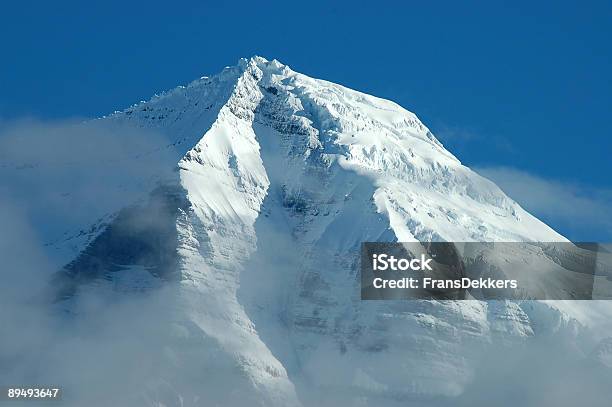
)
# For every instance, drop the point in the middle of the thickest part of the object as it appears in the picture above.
(250, 241)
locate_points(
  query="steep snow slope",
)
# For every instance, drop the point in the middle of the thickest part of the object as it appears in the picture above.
(282, 177)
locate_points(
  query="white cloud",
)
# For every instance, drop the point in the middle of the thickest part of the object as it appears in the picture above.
(460, 139)
(581, 213)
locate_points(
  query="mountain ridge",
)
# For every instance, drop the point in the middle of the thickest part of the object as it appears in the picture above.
(283, 176)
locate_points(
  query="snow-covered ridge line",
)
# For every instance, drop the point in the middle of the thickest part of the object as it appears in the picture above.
(279, 178)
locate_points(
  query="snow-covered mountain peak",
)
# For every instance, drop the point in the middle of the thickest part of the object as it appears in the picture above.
(374, 136)
(279, 179)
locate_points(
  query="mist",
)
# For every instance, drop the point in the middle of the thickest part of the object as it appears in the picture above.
(56, 177)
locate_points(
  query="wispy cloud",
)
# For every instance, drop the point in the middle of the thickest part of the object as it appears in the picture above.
(580, 213)
(63, 175)
(55, 176)
(459, 139)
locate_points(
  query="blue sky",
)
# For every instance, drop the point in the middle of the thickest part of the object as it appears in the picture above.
(509, 87)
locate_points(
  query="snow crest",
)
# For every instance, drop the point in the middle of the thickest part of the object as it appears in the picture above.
(284, 177)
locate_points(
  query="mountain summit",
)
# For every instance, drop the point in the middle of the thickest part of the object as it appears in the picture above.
(254, 240)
